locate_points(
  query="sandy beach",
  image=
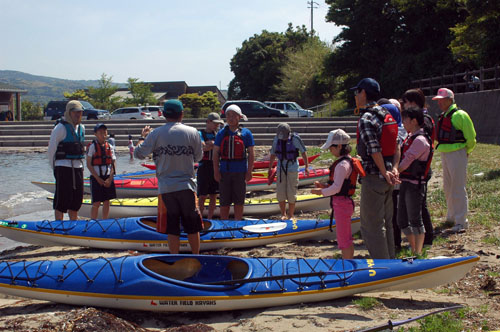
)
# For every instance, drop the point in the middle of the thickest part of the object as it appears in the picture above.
(19, 314)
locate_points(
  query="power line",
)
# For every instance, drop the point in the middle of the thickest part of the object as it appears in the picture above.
(311, 5)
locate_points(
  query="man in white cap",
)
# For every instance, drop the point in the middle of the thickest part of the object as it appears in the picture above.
(456, 138)
(66, 153)
(233, 160)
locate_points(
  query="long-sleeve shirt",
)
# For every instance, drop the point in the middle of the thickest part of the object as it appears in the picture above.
(341, 172)
(58, 135)
(418, 150)
(461, 121)
(175, 147)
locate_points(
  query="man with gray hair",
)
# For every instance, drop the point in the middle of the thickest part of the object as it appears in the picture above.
(456, 138)
(66, 153)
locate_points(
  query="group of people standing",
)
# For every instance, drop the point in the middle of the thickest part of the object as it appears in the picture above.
(393, 140)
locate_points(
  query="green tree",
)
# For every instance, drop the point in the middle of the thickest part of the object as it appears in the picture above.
(141, 93)
(192, 103)
(256, 65)
(392, 41)
(79, 94)
(101, 96)
(302, 78)
(209, 101)
(477, 39)
(31, 111)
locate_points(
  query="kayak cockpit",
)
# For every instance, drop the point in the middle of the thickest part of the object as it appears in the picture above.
(150, 223)
(197, 272)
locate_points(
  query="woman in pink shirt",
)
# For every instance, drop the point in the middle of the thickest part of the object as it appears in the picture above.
(414, 166)
(343, 176)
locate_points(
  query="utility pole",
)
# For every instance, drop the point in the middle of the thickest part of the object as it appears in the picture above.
(311, 4)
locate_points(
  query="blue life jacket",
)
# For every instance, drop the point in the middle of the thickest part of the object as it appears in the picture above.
(72, 146)
(286, 150)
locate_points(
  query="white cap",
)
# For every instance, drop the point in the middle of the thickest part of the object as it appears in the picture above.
(236, 109)
(337, 136)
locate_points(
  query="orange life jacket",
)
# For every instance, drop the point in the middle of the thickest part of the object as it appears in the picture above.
(349, 184)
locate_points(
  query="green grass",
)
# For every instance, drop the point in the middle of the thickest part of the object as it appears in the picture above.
(445, 322)
(406, 252)
(490, 239)
(366, 303)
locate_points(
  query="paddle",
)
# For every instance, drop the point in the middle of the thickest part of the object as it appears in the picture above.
(390, 324)
(288, 276)
(260, 228)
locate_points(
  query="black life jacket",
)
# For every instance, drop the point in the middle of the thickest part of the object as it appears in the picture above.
(207, 155)
(388, 137)
(72, 146)
(232, 147)
(446, 132)
(418, 169)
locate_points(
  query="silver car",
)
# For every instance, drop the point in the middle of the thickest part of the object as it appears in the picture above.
(293, 109)
(131, 113)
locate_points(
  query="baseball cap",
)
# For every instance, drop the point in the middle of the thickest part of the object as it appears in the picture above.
(99, 126)
(74, 105)
(337, 136)
(283, 131)
(236, 109)
(369, 85)
(172, 107)
(444, 93)
(215, 117)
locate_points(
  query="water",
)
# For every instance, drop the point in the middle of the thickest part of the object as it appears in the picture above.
(22, 200)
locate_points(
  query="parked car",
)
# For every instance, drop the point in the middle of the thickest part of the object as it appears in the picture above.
(56, 108)
(131, 113)
(291, 108)
(253, 109)
(156, 112)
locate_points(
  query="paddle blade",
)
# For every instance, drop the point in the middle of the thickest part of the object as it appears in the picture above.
(265, 228)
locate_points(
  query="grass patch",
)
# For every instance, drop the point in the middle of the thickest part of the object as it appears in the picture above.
(366, 303)
(439, 240)
(406, 252)
(494, 240)
(445, 322)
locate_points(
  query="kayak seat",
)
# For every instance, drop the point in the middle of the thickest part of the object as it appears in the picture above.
(219, 271)
(149, 222)
(180, 270)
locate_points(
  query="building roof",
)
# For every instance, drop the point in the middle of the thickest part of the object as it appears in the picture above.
(4, 87)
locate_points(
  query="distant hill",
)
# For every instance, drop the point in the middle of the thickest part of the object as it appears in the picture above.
(42, 88)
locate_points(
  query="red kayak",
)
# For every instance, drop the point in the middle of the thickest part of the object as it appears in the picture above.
(259, 164)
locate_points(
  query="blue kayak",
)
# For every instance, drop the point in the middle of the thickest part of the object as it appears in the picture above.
(164, 282)
(139, 233)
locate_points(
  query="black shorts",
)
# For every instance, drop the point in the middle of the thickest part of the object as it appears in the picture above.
(206, 181)
(182, 208)
(69, 188)
(101, 193)
(232, 188)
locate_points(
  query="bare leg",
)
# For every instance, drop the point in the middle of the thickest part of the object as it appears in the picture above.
(105, 209)
(201, 204)
(419, 243)
(291, 210)
(211, 205)
(348, 253)
(238, 212)
(283, 209)
(224, 212)
(73, 215)
(95, 210)
(411, 241)
(58, 215)
(194, 242)
(173, 243)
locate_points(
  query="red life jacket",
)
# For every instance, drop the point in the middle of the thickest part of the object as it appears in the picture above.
(102, 155)
(349, 185)
(207, 155)
(388, 138)
(418, 169)
(232, 147)
(446, 132)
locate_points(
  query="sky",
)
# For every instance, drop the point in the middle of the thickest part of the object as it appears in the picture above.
(152, 40)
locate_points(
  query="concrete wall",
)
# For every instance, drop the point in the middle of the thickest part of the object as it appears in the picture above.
(483, 108)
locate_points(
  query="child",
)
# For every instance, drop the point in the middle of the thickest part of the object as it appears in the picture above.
(286, 147)
(207, 186)
(100, 162)
(416, 156)
(131, 147)
(342, 185)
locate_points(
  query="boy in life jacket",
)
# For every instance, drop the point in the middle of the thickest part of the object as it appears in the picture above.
(100, 162)
(66, 153)
(416, 157)
(286, 147)
(233, 162)
(377, 136)
(456, 138)
(342, 185)
(207, 186)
